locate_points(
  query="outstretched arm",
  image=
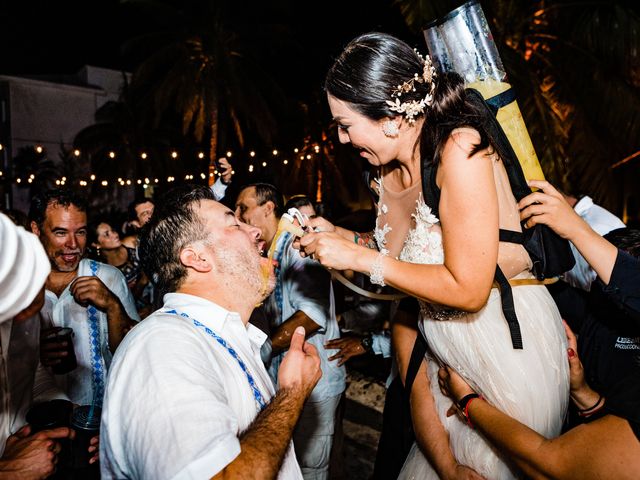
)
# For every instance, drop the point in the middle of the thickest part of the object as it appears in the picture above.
(281, 337)
(469, 220)
(607, 447)
(548, 207)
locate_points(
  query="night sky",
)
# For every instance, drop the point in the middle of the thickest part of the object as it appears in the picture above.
(49, 37)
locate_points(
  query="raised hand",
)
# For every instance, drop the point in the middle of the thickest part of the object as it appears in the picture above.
(300, 368)
(225, 169)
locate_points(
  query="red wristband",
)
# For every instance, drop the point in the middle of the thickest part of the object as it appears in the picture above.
(466, 401)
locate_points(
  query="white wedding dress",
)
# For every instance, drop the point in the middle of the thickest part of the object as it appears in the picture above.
(531, 385)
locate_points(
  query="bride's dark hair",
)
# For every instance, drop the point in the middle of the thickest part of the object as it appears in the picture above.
(373, 65)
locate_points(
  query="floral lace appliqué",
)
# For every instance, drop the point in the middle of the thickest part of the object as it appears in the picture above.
(424, 245)
(380, 233)
(424, 242)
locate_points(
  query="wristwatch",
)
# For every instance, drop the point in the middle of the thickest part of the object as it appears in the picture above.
(367, 343)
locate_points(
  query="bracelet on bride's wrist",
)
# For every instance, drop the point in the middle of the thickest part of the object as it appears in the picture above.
(376, 275)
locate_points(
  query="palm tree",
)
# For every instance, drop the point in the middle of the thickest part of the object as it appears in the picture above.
(197, 72)
(575, 67)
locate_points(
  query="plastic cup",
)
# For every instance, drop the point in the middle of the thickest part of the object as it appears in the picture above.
(461, 41)
(49, 415)
(85, 420)
(69, 362)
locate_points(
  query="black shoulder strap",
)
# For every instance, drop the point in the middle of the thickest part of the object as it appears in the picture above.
(491, 125)
(417, 355)
(430, 190)
(509, 309)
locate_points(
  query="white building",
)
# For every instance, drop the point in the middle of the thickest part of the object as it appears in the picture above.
(48, 111)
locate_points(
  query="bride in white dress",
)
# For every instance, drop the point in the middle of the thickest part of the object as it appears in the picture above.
(389, 104)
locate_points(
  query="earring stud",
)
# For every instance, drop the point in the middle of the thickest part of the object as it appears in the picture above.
(390, 128)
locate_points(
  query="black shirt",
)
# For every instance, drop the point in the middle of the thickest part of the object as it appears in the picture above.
(607, 323)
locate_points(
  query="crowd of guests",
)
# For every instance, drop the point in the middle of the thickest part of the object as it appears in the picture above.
(209, 343)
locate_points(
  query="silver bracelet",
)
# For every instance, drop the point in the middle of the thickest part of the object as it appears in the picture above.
(376, 275)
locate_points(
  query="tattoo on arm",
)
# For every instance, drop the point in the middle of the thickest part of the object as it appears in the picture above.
(366, 240)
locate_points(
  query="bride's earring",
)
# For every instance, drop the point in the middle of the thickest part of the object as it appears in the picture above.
(390, 128)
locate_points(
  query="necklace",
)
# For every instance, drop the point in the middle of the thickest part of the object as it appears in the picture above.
(257, 394)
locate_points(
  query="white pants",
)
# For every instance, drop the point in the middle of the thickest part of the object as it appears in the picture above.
(313, 437)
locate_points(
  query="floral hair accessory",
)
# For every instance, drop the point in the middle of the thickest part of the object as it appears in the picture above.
(413, 108)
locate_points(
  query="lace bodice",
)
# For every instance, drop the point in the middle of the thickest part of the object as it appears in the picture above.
(423, 241)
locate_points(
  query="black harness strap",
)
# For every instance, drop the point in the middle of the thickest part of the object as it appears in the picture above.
(511, 236)
(501, 100)
(509, 309)
(417, 355)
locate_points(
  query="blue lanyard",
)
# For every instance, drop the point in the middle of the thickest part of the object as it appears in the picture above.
(95, 340)
(257, 395)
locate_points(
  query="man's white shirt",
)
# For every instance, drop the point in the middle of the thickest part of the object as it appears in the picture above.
(64, 311)
(601, 221)
(23, 380)
(177, 401)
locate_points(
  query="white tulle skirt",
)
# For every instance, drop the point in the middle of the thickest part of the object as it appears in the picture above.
(531, 385)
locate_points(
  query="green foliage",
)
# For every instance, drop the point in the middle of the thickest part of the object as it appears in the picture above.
(576, 69)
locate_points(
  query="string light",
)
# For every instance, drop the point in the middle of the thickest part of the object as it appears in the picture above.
(174, 154)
